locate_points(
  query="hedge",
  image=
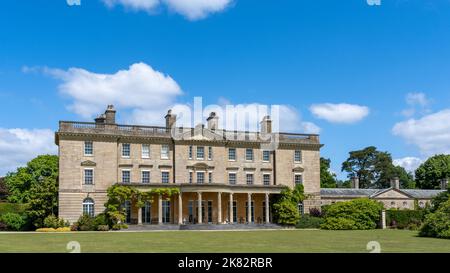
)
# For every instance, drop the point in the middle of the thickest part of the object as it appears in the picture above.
(405, 219)
(11, 208)
(307, 221)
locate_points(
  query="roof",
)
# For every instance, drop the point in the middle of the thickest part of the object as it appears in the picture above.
(355, 193)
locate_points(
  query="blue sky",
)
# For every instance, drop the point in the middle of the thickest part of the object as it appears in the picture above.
(377, 75)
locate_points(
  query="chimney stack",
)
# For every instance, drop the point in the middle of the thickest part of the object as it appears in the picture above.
(395, 183)
(171, 119)
(100, 120)
(110, 115)
(355, 182)
(444, 184)
(213, 121)
(266, 125)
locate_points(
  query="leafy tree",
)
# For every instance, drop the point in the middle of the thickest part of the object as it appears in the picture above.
(3, 188)
(285, 208)
(375, 169)
(43, 201)
(432, 171)
(437, 224)
(13, 221)
(21, 182)
(327, 179)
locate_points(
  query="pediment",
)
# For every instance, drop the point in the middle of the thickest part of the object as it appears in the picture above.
(298, 169)
(390, 193)
(200, 133)
(200, 166)
(88, 163)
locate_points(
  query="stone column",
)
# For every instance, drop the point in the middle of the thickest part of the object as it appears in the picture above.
(219, 208)
(267, 209)
(159, 210)
(231, 208)
(140, 216)
(199, 204)
(383, 219)
(249, 208)
(180, 209)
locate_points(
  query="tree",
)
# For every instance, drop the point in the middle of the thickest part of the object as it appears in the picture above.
(432, 171)
(437, 224)
(375, 169)
(3, 188)
(327, 179)
(21, 182)
(285, 208)
(43, 201)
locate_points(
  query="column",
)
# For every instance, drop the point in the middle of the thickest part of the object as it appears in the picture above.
(140, 216)
(199, 205)
(231, 208)
(159, 210)
(219, 207)
(383, 219)
(249, 208)
(267, 209)
(180, 209)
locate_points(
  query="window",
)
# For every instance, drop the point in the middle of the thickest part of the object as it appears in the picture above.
(165, 177)
(421, 204)
(88, 207)
(298, 179)
(210, 177)
(128, 211)
(147, 213)
(191, 175)
(125, 149)
(200, 153)
(166, 211)
(249, 154)
(145, 177)
(249, 177)
(190, 151)
(266, 156)
(88, 148)
(88, 176)
(232, 178)
(232, 154)
(266, 179)
(298, 156)
(126, 176)
(200, 177)
(164, 151)
(405, 204)
(145, 151)
(210, 153)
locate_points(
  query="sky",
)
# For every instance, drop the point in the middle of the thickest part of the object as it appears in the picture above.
(357, 74)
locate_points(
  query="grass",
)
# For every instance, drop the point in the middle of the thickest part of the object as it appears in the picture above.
(298, 241)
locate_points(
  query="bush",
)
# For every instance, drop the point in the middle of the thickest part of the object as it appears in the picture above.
(437, 224)
(287, 213)
(360, 214)
(3, 226)
(103, 228)
(314, 212)
(52, 221)
(405, 219)
(13, 221)
(86, 223)
(308, 221)
(100, 220)
(61, 229)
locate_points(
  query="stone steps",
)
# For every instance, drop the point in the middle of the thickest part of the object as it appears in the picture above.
(204, 227)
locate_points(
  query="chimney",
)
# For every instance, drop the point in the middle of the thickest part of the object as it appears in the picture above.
(444, 184)
(355, 182)
(100, 119)
(171, 119)
(213, 121)
(110, 115)
(266, 125)
(395, 183)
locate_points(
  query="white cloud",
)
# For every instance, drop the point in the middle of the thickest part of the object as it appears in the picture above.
(191, 9)
(417, 102)
(18, 146)
(409, 163)
(339, 113)
(138, 88)
(431, 133)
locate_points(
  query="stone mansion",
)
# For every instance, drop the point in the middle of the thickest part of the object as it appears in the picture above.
(223, 176)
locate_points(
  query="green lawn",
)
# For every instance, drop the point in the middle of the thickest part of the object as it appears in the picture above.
(224, 241)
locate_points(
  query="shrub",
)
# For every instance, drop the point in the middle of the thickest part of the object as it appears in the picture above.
(52, 221)
(3, 226)
(86, 223)
(308, 221)
(74, 227)
(103, 228)
(361, 214)
(287, 213)
(13, 221)
(314, 212)
(100, 220)
(405, 219)
(437, 224)
(61, 229)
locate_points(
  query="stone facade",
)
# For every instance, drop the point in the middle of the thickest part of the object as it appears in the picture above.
(183, 168)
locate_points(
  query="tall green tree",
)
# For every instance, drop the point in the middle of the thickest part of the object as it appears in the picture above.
(3, 188)
(375, 169)
(327, 179)
(432, 171)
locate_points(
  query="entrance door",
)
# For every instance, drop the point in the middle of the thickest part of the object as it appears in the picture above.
(166, 211)
(210, 210)
(147, 213)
